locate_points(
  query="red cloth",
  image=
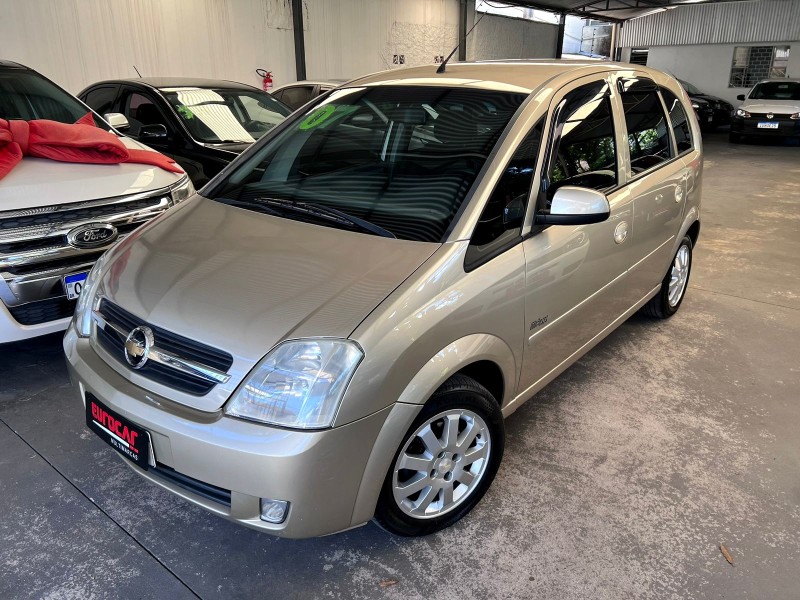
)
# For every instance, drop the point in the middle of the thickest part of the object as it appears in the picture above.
(80, 142)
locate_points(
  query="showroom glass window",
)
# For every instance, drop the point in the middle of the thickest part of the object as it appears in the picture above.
(501, 220)
(679, 121)
(400, 157)
(584, 152)
(646, 124)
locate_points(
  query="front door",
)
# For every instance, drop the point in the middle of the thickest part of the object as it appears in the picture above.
(575, 275)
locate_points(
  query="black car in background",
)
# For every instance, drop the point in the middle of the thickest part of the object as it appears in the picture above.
(203, 124)
(712, 112)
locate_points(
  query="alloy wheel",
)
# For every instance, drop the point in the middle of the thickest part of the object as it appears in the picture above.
(441, 464)
(679, 276)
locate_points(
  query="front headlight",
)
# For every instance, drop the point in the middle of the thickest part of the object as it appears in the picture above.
(299, 384)
(85, 304)
(795, 115)
(740, 112)
(182, 190)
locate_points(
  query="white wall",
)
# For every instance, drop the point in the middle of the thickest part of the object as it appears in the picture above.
(498, 37)
(78, 42)
(348, 38)
(708, 66)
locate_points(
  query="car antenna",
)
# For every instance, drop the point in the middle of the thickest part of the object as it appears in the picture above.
(443, 66)
(137, 71)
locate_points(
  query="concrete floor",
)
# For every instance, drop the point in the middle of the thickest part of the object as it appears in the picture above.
(620, 480)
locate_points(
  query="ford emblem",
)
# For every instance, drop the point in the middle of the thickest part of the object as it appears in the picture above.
(92, 235)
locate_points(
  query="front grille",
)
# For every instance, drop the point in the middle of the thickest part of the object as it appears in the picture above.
(43, 311)
(35, 253)
(166, 340)
(56, 215)
(200, 488)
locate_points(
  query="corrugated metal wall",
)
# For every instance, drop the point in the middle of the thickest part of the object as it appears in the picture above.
(724, 23)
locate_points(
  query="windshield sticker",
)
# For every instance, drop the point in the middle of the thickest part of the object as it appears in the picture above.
(322, 116)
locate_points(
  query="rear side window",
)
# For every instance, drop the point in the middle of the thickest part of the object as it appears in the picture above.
(648, 136)
(679, 121)
(501, 220)
(101, 99)
(584, 153)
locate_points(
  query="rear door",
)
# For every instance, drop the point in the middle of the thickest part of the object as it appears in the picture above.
(575, 275)
(656, 180)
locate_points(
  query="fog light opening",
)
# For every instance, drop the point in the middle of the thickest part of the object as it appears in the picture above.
(274, 511)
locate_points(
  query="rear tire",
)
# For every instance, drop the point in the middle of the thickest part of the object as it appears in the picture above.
(673, 288)
(446, 462)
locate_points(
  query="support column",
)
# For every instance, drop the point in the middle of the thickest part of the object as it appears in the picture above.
(562, 19)
(299, 40)
(462, 31)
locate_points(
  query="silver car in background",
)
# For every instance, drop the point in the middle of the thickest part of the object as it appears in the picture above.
(335, 331)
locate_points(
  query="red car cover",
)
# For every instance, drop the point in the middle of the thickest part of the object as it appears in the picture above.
(80, 142)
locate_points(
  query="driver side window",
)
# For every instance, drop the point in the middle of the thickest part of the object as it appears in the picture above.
(584, 152)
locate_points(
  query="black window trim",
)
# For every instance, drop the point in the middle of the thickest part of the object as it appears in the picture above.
(471, 265)
(661, 89)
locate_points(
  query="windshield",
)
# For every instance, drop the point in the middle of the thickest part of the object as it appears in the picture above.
(401, 158)
(690, 89)
(26, 95)
(776, 90)
(226, 115)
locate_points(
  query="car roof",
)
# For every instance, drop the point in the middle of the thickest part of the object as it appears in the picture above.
(780, 80)
(13, 65)
(180, 82)
(506, 75)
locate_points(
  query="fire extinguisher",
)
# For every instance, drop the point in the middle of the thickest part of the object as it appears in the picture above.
(266, 78)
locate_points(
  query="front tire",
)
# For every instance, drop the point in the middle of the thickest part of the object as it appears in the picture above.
(673, 288)
(734, 138)
(446, 462)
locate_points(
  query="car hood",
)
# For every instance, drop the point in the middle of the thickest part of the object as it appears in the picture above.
(773, 106)
(241, 281)
(710, 99)
(37, 182)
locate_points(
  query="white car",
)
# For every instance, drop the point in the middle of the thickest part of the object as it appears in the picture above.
(57, 218)
(772, 108)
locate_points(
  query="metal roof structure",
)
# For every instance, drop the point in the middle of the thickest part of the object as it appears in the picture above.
(608, 10)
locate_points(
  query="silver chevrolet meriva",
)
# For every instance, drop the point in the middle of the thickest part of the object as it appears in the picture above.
(335, 328)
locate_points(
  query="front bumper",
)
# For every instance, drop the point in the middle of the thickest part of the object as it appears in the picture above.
(320, 473)
(12, 331)
(749, 126)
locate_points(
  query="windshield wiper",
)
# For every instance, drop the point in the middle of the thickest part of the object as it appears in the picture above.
(327, 213)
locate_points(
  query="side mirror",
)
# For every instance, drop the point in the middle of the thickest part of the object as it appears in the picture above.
(576, 206)
(117, 120)
(740, 97)
(152, 133)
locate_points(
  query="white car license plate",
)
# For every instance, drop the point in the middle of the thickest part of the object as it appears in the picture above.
(767, 125)
(74, 284)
